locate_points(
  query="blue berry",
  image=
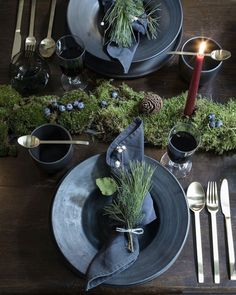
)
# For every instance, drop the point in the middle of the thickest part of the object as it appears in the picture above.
(47, 112)
(211, 117)
(114, 94)
(75, 104)
(69, 107)
(218, 123)
(80, 105)
(62, 108)
(103, 104)
(212, 124)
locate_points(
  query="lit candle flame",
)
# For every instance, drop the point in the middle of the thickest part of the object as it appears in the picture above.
(202, 48)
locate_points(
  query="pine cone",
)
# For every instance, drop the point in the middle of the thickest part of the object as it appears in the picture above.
(152, 103)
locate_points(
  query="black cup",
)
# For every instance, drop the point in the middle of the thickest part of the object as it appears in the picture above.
(52, 157)
(210, 66)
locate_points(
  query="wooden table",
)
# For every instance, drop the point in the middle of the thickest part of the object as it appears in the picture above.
(29, 260)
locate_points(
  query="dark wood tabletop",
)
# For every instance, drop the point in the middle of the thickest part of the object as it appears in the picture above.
(30, 262)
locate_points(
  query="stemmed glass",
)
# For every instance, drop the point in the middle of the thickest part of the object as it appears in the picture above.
(70, 50)
(183, 141)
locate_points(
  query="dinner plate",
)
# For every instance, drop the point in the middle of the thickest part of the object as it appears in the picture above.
(84, 18)
(80, 228)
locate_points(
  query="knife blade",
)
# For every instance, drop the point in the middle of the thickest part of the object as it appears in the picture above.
(17, 38)
(225, 206)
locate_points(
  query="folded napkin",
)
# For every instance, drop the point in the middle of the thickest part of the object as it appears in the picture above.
(122, 54)
(114, 257)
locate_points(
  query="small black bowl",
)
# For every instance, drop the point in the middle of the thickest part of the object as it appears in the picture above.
(210, 66)
(52, 157)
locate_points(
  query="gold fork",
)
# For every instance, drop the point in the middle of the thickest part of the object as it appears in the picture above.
(30, 41)
(213, 206)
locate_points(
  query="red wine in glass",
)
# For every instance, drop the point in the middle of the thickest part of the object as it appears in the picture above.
(181, 146)
(70, 64)
(71, 51)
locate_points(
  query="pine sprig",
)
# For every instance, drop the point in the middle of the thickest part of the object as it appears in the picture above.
(133, 186)
(120, 16)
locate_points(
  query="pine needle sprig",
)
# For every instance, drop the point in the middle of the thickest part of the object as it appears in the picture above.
(133, 186)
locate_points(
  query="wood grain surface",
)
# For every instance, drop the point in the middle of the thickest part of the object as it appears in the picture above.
(30, 262)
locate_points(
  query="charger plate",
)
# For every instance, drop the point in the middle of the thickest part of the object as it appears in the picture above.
(80, 228)
(84, 18)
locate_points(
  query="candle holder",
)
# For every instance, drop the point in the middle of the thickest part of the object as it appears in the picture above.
(210, 66)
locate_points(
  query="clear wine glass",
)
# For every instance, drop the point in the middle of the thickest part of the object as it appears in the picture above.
(183, 141)
(70, 50)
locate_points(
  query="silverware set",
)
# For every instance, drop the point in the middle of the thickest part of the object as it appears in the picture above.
(48, 44)
(196, 200)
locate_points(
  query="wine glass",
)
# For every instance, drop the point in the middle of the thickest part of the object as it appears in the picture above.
(70, 50)
(183, 141)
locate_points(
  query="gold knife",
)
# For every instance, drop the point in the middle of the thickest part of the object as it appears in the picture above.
(225, 206)
(17, 39)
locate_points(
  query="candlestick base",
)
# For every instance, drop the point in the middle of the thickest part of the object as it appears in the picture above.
(178, 170)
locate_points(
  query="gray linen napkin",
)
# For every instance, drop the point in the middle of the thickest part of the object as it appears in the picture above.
(125, 55)
(114, 257)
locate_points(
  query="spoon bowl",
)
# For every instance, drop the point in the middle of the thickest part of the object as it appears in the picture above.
(47, 47)
(196, 201)
(31, 141)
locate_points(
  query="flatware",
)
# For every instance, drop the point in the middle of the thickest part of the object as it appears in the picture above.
(30, 141)
(47, 46)
(17, 38)
(196, 201)
(225, 206)
(212, 207)
(30, 41)
(220, 54)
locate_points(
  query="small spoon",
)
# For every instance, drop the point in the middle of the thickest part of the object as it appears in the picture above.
(30, 141)
(219, 54)
(47, 46)
(196, 201)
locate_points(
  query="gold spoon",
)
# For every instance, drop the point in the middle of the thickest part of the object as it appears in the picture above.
(219, 54)
(47, 46)
(30, 141)
(196, 202)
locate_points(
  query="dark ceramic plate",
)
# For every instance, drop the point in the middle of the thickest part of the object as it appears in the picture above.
(79, 227)
(84, 17)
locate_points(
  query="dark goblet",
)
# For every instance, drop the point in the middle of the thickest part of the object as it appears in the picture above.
(183, 141)
(71, 51)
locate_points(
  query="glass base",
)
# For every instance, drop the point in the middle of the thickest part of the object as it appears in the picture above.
(74, 83)
(179, 170)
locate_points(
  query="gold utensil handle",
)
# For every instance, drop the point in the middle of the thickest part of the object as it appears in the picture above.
(51, 18)
(32, 17)
(199, 247)
(215, 248)
(230, 248)
(64, 142)
(19, 15)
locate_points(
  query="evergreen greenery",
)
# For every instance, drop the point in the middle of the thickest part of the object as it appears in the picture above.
(19, 116)
(120, 16)
(132, 188)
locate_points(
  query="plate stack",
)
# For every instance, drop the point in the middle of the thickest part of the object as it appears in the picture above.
(84, 18)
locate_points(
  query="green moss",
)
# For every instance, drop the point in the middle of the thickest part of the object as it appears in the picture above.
(8, 96)
(25, 119)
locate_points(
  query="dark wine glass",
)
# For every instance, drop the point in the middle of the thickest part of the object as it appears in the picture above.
(71, 51)
(183, 141)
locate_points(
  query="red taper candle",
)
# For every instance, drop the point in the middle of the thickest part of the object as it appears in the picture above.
(194, 84)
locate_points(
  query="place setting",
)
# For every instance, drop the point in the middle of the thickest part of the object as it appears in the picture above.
(121, 218)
